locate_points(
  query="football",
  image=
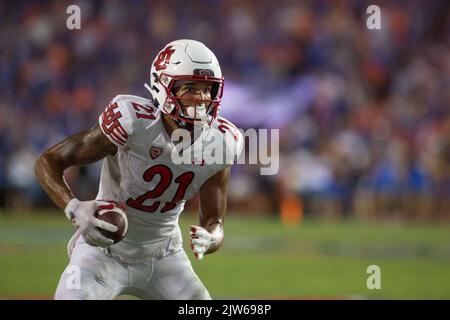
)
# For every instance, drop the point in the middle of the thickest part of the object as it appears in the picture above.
(115, 214)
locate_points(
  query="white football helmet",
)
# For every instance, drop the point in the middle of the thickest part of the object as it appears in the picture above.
(186, 60)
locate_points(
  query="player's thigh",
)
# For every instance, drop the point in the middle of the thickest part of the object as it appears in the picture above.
(90, 275)
(175, 279)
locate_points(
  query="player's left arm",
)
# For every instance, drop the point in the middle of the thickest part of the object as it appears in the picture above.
(208, 236)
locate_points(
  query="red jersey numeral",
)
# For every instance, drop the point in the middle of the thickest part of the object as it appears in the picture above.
(183, 181)
(148, 111)
(165, 175)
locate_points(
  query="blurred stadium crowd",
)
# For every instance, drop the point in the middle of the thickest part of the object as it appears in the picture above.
(364, 115)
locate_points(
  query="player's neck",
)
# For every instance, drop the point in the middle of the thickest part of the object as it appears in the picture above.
(169, 125)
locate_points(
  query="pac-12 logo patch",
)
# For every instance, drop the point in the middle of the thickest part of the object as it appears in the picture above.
(155, 152)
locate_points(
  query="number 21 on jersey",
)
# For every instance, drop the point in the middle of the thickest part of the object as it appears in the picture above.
(166, 176)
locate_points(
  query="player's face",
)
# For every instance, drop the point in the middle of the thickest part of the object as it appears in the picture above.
(194, 94)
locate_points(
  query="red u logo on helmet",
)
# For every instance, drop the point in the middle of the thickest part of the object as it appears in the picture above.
(163, 58)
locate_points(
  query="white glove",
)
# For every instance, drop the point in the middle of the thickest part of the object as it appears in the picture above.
(81, 213)
(200, 241)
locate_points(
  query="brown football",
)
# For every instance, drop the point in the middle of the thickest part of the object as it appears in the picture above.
(116, 215)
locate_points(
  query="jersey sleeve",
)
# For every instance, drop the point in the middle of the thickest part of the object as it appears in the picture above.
(234, 146)
(116, 122)
(126, 117)
(234, 142)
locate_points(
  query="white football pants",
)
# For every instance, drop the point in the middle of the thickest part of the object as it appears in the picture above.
(94, 274)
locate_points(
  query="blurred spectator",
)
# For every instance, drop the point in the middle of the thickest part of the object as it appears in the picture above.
(363, 114)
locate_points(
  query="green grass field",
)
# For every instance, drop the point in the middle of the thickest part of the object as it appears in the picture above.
(260, 259)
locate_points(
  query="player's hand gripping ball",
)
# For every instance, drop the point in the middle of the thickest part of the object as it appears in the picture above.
(116, 214)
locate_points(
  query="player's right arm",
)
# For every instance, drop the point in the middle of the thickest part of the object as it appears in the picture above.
(80, 149)
(115, 127)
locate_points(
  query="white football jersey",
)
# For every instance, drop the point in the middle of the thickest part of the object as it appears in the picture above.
(143, 175)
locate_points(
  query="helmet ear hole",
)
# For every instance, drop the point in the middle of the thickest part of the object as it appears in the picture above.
(155, 77)
(174, 89)
(214, 90)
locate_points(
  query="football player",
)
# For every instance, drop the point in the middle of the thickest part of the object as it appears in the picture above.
(133, 137)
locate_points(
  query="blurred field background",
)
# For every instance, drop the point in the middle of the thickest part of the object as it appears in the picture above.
(261, 259)
(364, 120)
